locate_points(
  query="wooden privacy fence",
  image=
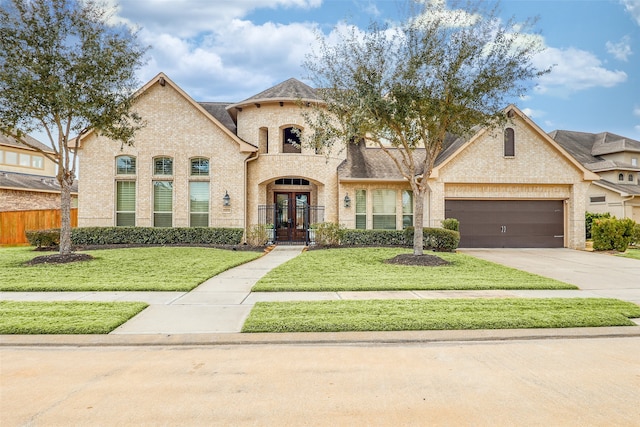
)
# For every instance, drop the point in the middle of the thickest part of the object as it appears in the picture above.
(14, 224)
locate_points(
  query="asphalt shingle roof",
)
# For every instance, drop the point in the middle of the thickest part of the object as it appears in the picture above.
(12, 142)
(289, 90)
(27, 182)
(219, 111)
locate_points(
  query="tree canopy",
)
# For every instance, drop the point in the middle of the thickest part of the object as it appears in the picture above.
(66, 68)
(446, 70)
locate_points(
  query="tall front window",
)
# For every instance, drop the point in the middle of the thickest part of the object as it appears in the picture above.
(162, 203)
(125, 203)
(509, 142)
(163, 166)
(407, 209)
(199, 204)
(384, 209)
(361, 209)
(125, 165)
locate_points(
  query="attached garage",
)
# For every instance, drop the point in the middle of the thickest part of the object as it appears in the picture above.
(508, 223)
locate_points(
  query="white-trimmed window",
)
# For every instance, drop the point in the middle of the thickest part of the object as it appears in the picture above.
(384, 209)
(597, 199)
(125, 203)
(163, 166)
(162, 203)
(199, 203)
(199, 166)
(125, 165)
(407, 209)
(361, 209)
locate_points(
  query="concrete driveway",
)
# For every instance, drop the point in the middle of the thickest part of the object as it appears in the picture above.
(598, 273)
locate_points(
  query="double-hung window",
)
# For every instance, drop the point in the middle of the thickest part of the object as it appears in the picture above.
(125, 191)
(407, 209)
(384, 209)
(361, 209)
(162, 203)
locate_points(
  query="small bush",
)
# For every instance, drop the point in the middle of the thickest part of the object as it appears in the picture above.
(328, 233)
(589, 217)
(635, 235)
(451, 224)
(155, 236)
(43, 238)
(612, 234)
(258, 235)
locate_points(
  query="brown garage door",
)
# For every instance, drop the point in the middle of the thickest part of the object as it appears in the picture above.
(508, 223)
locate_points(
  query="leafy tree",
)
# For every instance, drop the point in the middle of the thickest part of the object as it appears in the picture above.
(442, 72)
(65, 69)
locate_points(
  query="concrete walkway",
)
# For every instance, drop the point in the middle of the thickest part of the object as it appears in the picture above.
(222, 303)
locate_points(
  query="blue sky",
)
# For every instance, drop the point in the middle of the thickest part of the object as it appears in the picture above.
(229, 50)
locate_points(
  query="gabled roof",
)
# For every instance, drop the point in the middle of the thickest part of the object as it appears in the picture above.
(588, 148)
(289, 90)
(625, 190)
(162, 80)
(12, 142)
(374, 164)
(456, 146)
(219, 111)
(36, 183)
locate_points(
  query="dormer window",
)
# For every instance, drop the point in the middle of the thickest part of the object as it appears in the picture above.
(630, 177)
(509, 143)
(291, 140)
(620, 177)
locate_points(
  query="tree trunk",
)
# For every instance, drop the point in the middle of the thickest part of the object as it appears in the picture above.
(418, 220)
(65, 217)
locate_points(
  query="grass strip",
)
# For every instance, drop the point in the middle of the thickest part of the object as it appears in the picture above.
(363, 269)
(405, 315)
(65, 317)
(131, 269)
(630, 253)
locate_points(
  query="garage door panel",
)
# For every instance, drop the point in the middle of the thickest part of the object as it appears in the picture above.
(508, 223)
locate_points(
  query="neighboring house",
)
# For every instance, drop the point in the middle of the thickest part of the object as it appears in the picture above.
(239, 164)
(616, 160)
(27, 178)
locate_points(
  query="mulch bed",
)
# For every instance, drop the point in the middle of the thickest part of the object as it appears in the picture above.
(59, 259)
(417, 260)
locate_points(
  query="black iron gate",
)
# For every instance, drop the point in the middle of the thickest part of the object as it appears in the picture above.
(289, 220)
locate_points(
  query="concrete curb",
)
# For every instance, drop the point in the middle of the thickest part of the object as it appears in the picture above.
(317, 338)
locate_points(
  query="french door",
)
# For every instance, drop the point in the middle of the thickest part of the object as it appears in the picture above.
(292, 216)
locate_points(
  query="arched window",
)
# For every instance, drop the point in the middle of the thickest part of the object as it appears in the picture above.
(620, 177)
(509, 142)
(125, 165)
(630, 178)
(199, 166)
(163, 166)
(291, 140)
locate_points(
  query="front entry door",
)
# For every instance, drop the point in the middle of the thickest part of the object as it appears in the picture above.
(291, 216)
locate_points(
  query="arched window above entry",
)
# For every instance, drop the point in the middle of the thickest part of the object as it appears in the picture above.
(509, 143)
(291, 140)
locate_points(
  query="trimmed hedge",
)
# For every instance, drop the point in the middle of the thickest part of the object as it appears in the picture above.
(612, 234)
(438, 239)
(43, 238)
(155, 236)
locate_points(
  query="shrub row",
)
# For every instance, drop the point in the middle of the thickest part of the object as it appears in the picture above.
(438, 239)
(139, 236)
(612, 234)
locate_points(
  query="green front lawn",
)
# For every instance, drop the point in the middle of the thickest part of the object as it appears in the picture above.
(363, 269)
(65, 317)
(133, 269)
(631, 253)
(399, 315)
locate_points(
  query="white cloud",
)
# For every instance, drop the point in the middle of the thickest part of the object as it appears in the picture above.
(633, 7)
(636, 111)
(620, 50)
(437, 11)
(573, 70)
(534, 114)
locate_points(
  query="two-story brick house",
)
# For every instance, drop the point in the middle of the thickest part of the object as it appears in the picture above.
(240, 164)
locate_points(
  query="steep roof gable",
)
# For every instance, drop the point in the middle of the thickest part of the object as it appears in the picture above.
(12, 142)
(162, 80)
(458, 145)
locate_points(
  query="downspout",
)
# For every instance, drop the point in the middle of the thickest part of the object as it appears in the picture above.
(249, 158)
(624, 208)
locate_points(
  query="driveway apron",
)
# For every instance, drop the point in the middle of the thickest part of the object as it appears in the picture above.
(596, 274)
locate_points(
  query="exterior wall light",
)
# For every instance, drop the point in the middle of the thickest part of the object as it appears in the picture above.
(226, 200)
(347, 201)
